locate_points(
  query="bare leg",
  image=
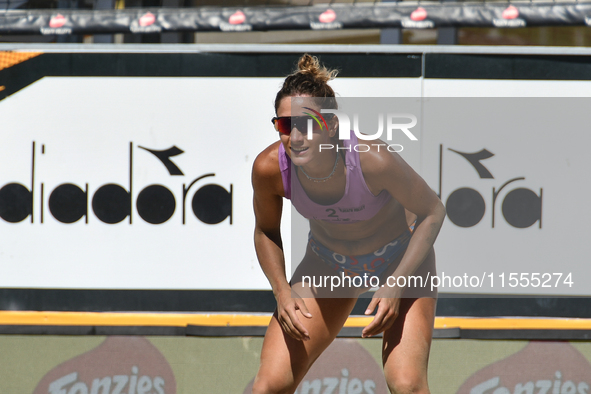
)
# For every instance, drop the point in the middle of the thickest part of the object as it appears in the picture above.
(406, 346)
(284, 360)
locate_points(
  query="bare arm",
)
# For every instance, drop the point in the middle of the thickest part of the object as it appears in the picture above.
(408, 188)
(267, 209)
(393, 174)
(268, 204)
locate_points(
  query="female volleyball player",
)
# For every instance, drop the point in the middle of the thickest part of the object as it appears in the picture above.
(360, 206)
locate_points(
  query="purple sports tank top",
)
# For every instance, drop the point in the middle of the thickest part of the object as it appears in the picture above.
(357, 203)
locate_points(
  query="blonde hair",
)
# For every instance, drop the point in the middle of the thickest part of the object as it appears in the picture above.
(311, 78)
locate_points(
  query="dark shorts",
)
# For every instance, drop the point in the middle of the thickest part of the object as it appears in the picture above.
(371, 264)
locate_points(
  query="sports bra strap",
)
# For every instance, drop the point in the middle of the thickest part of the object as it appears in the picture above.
(284, 166)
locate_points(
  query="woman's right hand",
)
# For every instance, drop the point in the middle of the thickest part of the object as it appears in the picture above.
(288, 303)
(268, 189)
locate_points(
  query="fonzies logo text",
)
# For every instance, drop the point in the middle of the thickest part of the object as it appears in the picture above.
(119, 365)
(112, 203)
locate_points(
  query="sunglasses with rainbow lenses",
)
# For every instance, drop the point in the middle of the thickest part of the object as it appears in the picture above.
(285, 124)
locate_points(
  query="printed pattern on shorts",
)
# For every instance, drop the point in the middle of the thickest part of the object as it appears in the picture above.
(372, 264)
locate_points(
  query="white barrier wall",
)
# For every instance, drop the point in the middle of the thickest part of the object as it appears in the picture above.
(188, 222)
(220, 124)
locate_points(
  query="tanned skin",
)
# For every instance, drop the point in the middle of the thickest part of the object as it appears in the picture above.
(302, 328)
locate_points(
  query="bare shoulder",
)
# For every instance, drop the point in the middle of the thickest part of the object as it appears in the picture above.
(380, 165)
(265, 170)
(385, 170)
(376, 158)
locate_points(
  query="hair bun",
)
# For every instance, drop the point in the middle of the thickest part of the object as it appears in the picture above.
(310, 65)
(310, 79)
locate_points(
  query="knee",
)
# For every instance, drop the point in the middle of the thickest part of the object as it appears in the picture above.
(408, 384)
(264, 385)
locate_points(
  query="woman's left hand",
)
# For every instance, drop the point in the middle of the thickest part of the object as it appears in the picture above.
(387, 300)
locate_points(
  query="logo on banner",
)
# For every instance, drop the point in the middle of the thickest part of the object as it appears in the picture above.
(145, 24)
(119, 365)
(147, 19)
(521, 207)
(510, 12)
(418, 20)
(326, 21)
(419, 14)
(57, 21)
(236, 23)
(394, 123)
(544, 367)
(113, 203)
(237, 18)
(56, 24)
(327, 16)
(344, 367)
(510, 18)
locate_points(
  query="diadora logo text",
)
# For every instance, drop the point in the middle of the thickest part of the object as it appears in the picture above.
(466, 206)
(112, 203)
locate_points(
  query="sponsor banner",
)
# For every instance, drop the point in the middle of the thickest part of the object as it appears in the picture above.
(540, 367)
(139, 183)
(509, 182)
(148, 189)
(144, 182)
(184, 365)
(317, 17)
(145, 24)
(119, 365)
(344, 367)
(506, 192)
